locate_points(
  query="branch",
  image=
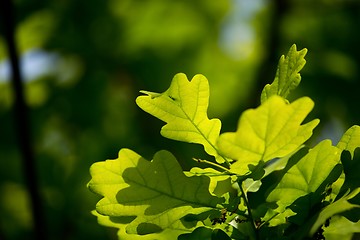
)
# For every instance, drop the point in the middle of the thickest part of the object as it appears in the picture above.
(22, 120)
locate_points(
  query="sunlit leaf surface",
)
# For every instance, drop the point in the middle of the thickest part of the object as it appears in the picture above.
(287, 75)
(184, 109)
(305, 176)
(156, 194)
(350, 140)
(270, 131)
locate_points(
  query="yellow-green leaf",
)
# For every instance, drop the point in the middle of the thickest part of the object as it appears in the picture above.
(171, 232)
(151, 195)
(287, 75)
(350, 140)
(270, 131)
(306, 176)
(184, 109)
(337, 207)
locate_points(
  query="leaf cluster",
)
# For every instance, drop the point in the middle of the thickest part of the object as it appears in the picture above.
(260, 182)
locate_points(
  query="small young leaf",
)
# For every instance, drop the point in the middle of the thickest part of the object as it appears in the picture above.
(287, 75)
(157, 193)
(184, 108)
(270, 131)
(251, 185)
(305, 176)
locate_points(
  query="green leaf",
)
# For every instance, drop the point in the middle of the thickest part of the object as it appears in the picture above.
(220, 183)
(351, 167)
(306, 176)
(202, 233)
(280, 163)
(350, 140)
(287, 75)
(209, 234)
(184, 108)
(156, 193)
(339, 206)
(341, 228)
(251, 185)
(275, 218)
(348, 143)
(122, 222)
(273, 130)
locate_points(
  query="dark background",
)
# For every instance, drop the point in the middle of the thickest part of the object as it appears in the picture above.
(84, 62)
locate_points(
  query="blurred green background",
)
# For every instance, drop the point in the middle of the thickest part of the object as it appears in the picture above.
(84, 62)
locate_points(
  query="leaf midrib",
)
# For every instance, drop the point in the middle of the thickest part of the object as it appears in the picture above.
(185, 201)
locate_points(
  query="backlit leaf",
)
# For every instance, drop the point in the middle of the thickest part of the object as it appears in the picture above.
(350, 140)
(184, 109)
(305, 176)
(121, 222)
(270, 131)
(155, 193)
(339, 206)
(348, 144)
(220, 183)
(287, 75)
(341, 228)
(351, 167)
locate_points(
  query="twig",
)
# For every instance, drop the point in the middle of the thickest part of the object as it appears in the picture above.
(213, 164)
(253, 224)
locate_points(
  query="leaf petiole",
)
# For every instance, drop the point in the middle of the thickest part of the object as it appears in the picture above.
(251, 218)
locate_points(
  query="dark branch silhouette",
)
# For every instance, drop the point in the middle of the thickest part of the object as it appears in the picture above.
(22, 120)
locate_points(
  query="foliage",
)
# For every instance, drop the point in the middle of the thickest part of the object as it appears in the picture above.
(118, 47)
(264, 182)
